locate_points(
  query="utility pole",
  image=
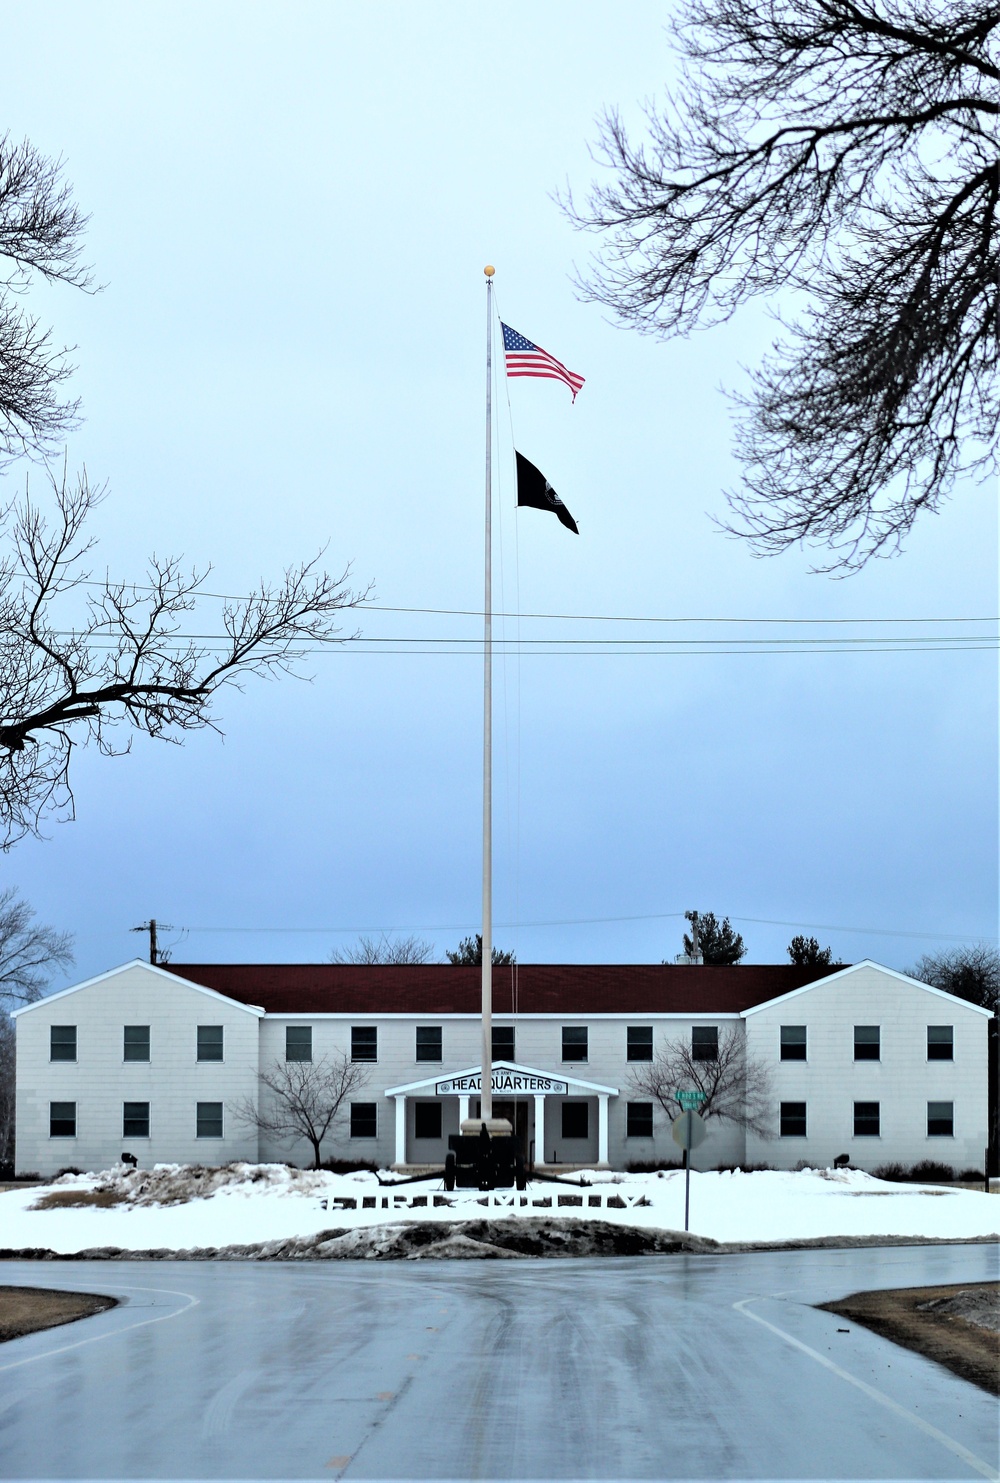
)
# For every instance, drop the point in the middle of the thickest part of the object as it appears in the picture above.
(150, 927)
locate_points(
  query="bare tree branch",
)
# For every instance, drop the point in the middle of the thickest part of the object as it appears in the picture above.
(29, 952)
(305, 1098)
(384, 949)
(737, 1086)
(80, 660)
(40, 234)
(845, 150)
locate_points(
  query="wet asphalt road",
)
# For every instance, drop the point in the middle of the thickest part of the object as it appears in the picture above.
(652, 1367)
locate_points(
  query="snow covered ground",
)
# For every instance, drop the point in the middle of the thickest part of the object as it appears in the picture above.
(178, 1207)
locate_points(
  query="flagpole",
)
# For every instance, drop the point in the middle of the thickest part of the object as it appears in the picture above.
(486, 1079)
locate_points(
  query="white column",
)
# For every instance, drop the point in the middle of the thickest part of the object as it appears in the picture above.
(602, 1127)
(539, 1130)
(463, 1111)
(400, 1129)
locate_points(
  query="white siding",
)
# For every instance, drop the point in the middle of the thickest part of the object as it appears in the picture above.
(100, 1080)
(902, 1081)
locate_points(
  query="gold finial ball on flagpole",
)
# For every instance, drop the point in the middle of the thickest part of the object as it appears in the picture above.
(489, 270)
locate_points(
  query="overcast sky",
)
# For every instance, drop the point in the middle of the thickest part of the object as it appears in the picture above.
(291, 206)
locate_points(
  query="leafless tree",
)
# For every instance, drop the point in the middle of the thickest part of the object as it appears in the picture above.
(301, 1099)
(81, 660)
(29, 954)
(40, 236)
(844, 150)
(384, 949)
(737, 1086)
(971, 973)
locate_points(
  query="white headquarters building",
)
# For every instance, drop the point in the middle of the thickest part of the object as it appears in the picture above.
(155, 1061)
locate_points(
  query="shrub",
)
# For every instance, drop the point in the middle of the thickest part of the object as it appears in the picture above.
(928, 1169)
(971, 1176)
(895, 1173)
(651, 1166)
(68, 1170)
(744, 1168)
(347, 1166)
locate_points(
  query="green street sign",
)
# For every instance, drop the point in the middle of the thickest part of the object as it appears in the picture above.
(691, 1099)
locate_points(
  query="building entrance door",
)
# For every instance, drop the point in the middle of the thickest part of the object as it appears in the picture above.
(516, 1113)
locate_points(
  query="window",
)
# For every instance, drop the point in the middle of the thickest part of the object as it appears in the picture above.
(705, 1043)
(209, 1119)
(575, 1120)
(298, 1043)
(135, 1120)
(639, 1046)
(503, 1042)
(638, 1119)
(62, 1042)
(940, 1043)
(793, 1119)
(940, 1119)
(574, 1045)
(62, 1119)
(428, 1042)
(364, 1042)
(136, 1043)
(793, 1042)
(427, 1120)
(364, 1120)
(866, 1120)
(867, 1043)
(210, 1042)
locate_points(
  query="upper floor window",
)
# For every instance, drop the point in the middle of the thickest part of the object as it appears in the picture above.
(940, 1042)
(867, 1122)
(364, 1043)
(503, 1042)
(62, 1119)
(429, 1043)
(639, 1043)
(705, 1043)
(793, 1119)
(298, 1043)
(574, 1045)
(135, 1045)
(62, 1042)
(940, 1119)
(793, 1042)
(867, 1043)
(210, 1042)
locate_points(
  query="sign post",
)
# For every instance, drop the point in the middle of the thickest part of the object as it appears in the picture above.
(687, 1132)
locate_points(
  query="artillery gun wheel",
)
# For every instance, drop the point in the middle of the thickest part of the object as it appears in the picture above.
(449, 1171)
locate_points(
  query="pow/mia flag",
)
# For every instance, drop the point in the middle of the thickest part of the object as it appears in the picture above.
(534, 489)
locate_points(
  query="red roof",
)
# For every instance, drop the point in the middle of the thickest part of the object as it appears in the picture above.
(530, 988)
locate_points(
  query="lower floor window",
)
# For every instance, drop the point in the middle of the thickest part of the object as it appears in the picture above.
(209, 1119)
(364, 1120)
(793, 1119)
(427, 1120)
(575, 1120)
(638, 1119)
(866, 1120)
(62, 1119)
(940, 1119)
(135, 1120)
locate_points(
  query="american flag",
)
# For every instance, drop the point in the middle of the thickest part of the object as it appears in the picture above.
(526, 359)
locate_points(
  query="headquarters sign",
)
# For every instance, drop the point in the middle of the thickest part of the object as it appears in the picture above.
(511, 1082)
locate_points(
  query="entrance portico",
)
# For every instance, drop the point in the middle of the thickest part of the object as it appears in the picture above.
(512, 1083)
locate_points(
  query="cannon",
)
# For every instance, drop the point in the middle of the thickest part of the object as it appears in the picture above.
(477, 1161)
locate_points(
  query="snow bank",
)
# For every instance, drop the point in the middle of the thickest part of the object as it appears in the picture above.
(182, 1208)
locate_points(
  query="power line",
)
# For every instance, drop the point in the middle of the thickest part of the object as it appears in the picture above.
(661, 916)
